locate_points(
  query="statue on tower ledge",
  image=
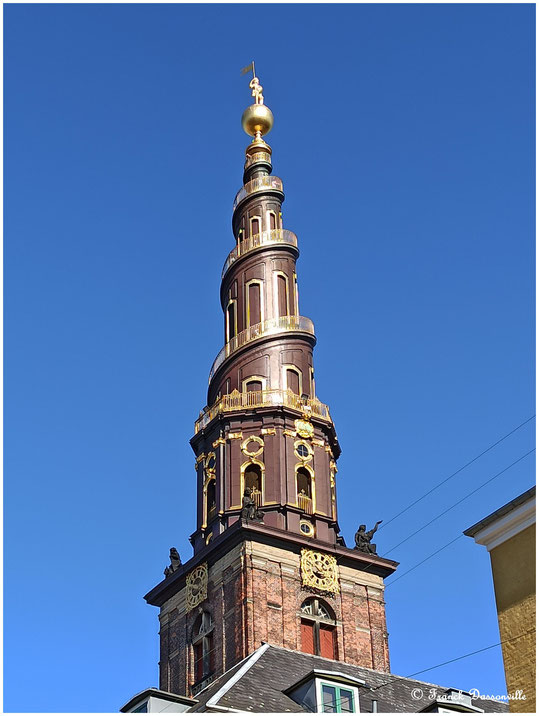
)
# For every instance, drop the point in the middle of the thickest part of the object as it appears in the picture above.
(249, 510)
(175, 562)
(363, 539)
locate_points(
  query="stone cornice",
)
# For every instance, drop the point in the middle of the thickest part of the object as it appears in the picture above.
(242, 531)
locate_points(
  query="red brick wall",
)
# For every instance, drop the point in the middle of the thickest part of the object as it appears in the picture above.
(257, 599)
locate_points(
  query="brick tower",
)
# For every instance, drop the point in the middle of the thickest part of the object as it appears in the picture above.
(268, 564)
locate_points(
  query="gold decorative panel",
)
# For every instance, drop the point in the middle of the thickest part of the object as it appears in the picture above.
(319, 570)
(252, 446)
(197, 586)
(304, 428)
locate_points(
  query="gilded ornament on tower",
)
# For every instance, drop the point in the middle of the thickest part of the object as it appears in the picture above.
(319, 570)
(304, 428)
(257, 119)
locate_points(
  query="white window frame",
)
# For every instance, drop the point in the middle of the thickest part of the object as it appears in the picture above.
(320, 681)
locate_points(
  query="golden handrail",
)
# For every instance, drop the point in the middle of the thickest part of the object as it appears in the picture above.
(266, 328)
(305, 504)
(258, 157)
(260, 399)
(255, 185)
(256, 496)
(264, 238)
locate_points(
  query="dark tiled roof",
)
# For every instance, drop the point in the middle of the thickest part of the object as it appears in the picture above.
(260, 689)
(206, 694)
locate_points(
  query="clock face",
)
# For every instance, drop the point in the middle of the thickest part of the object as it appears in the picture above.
(319, 570)
(197, 586)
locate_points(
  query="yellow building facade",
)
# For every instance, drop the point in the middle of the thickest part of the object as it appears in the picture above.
(509, 536)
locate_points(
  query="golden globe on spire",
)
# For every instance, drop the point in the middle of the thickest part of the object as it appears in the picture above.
(257, 119)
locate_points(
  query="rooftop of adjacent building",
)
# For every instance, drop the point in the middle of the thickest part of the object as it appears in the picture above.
(276, 680)
(505, 522)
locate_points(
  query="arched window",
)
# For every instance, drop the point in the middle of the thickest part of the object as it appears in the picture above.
(202, 641)
(254, 303)
(211, 502)
(255, 226)
(293, 381)
(252, 480)
(272, 221)
(231, 327)
(253, 385)
(304, 487)
(282, 295)
(318, 631)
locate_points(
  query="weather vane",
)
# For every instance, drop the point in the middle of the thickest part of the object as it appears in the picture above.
(254, 84)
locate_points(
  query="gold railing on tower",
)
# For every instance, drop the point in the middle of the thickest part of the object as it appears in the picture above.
(265, 238)
(266, 328)
(257, 157)
(261, 399)
(258, 184)
(256, 496)
(305, 503)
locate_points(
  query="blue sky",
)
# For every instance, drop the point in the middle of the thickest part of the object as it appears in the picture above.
(404, 135)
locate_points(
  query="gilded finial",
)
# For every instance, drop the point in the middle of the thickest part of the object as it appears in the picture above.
(257, 119)
(257, 88)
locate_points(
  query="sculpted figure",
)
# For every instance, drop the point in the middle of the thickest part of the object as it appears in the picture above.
(249, 510)
(363, 539)
(175, 562)
(256, 88)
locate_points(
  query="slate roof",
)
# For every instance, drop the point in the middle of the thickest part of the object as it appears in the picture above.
(260, 688)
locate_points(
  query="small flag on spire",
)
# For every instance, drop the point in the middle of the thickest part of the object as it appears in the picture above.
(247, 69)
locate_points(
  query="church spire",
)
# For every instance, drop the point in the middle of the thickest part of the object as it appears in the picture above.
(268, 557)
(262, 403)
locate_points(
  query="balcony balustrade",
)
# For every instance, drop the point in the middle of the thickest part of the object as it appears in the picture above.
(258, 157)
(256, 185)
(256, 496)
(261, 399)
(266, 328)
(305, 503)
(265, 238)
